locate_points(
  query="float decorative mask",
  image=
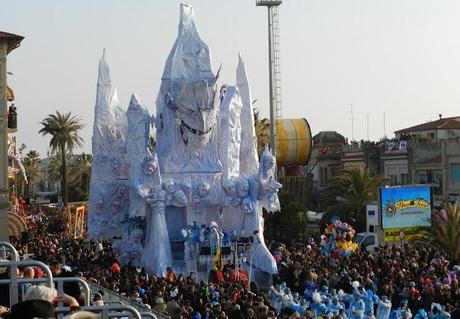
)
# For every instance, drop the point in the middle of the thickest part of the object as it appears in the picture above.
(196, 111)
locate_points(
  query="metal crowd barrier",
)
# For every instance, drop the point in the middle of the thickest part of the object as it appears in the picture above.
(117, 308)
(14, 281)
(60, 286)
(108, 311)
(6, 246)
(111, 297)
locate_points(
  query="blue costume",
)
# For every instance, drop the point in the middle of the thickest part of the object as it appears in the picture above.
(403, 312)
(356, 309)
(383, 308)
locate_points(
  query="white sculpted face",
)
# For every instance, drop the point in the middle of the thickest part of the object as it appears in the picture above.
(180, 198)
(169, 186)
(203, 189)
(150, 167)
(243, 187)
(186, 187)
(269, 163)
(230, 187)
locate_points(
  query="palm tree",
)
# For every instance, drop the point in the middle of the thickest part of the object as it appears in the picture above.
(445, 230)
(55, 167)
(81, 172)
(262, 128)
(32, 168)
(353, 190)
(63, 129)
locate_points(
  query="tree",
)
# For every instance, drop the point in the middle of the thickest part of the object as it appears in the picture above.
(445, 230)
(352, 191)
(81, 172)
(64, 129)
(55, 167)
(32, 167)
(290, 223)
(262, 128)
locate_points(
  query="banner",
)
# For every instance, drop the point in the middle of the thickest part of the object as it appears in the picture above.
(394, 234)
(405, 206)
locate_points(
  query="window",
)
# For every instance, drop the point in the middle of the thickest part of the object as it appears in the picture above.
(455, 173)
(422, 178)
(393, 180)
(323, 176)
(370, 240)
(437, 183)
(404, 179)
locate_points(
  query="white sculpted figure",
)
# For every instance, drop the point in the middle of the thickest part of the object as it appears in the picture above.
(169, 188)
(242, 186)
(157, 253)
(207, 161)
(106, 167)
(186, 104)
(231, 198)
(201, 197)
(269, 187)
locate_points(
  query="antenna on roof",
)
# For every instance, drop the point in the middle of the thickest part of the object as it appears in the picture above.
(352, 123)
(440, 116)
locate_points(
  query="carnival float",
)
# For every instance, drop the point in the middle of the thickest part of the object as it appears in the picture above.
(201, 189)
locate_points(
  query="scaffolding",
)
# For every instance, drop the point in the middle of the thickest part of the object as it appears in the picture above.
(274, 62)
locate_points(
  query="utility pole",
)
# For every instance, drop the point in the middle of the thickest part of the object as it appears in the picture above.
(368, 127)
(384, 127)
(352, 123)
(8, 42)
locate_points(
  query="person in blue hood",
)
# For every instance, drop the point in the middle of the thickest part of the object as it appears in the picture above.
(356, 309)
(383, 308)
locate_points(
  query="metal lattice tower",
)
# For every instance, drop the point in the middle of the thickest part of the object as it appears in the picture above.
(274, 65)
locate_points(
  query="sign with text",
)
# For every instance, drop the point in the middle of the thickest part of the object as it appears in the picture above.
(394, 234)
(405, 206)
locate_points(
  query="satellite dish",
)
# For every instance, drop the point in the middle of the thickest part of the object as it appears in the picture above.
(391, 146)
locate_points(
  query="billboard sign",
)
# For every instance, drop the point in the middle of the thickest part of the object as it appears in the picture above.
(405, 206)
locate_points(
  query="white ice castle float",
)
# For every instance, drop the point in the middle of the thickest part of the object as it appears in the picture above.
(205, 170)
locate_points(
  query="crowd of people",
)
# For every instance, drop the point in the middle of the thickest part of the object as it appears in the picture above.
(309, 285)
(419, 279)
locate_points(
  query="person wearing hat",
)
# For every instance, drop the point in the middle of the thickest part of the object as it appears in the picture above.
(383, 308)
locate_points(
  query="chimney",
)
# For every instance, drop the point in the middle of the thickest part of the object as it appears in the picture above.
(440, 116)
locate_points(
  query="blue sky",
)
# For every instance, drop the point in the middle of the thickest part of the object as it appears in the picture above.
(397, 57)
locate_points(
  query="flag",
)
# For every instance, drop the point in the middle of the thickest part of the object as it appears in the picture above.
(218, 263)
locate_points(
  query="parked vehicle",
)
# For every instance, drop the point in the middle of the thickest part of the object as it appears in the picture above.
(314, 217)
(367, 241)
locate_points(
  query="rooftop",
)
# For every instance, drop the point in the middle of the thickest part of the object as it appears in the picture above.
(328, 138)
(12, 39)
(443, 123)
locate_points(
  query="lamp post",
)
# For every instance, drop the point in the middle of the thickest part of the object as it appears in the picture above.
(8, 42)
